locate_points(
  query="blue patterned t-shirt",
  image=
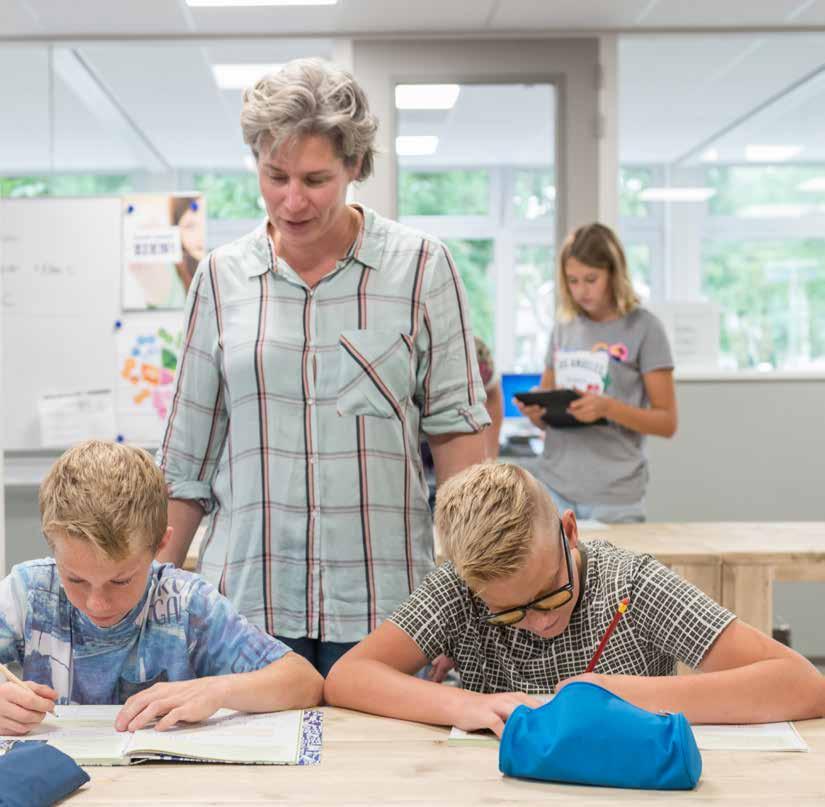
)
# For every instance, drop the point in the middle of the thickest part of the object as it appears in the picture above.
(182, 628)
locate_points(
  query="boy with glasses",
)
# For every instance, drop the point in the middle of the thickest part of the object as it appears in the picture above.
(521, 606)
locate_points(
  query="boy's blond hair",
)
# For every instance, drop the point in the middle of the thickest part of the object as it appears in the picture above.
(112, 495)
(486, 517)
(598, 246)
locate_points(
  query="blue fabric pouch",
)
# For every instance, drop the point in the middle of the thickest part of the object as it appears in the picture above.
(35, 774)
(589, 736)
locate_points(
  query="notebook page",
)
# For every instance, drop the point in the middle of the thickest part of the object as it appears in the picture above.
(754, 737)
(86, 733)
(228, 736)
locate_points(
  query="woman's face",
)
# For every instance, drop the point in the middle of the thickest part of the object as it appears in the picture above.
(590, 288)
(304, 187)
(191, 226)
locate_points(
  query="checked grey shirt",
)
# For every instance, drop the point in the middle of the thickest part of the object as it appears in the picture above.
(668, 620)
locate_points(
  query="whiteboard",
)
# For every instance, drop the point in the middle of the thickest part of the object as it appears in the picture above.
(60, 263)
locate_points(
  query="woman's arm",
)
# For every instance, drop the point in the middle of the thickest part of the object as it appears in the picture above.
(184, 518)
(495, 409)
(746, 677)
(455, 452)
(659, 418)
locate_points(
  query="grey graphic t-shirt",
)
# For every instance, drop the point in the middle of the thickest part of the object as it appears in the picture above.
(603, 464)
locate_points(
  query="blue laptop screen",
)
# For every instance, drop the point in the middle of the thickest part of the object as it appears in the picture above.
(511, 383)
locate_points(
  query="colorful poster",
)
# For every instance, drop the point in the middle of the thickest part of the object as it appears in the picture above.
(164, 238)
(148, 351)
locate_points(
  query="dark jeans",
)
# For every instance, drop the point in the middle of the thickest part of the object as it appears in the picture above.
(321, 655)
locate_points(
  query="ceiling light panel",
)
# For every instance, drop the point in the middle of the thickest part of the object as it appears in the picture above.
(257, 3)
(241, 76)
(426, 96)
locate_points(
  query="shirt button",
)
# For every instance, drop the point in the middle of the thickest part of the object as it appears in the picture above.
(310, 401)
(312, 460)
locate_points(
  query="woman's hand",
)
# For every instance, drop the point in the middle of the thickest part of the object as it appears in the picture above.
(173, 703)
(533, 412)
(590, 407)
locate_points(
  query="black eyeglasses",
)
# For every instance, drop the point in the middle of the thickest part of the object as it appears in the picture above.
(547, 602)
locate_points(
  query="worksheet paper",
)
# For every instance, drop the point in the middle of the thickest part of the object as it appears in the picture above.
(754, 737)
(87, 734)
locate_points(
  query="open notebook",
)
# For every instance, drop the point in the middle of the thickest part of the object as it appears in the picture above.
(87, 734)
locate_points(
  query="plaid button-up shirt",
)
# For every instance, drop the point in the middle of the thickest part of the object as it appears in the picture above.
(296, 422)
(668, 620)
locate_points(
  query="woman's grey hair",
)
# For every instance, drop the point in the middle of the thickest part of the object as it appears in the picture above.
(311, 97)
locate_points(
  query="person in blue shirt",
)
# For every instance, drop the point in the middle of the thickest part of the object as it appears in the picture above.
(102, 622)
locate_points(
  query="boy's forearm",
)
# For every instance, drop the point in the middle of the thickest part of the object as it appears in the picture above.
(764, 692)
(372, 686)
(289, 683)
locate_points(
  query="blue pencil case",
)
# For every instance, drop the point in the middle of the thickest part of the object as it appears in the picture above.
(34, 774)
(589, 736)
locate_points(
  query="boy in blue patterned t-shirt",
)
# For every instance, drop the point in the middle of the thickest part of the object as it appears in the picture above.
(103, 623)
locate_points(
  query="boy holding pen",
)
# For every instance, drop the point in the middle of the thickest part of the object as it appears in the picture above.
(522, 605)
(102, 622)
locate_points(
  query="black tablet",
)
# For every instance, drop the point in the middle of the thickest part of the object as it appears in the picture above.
(555, 403)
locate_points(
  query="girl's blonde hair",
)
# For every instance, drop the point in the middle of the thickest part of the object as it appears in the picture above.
(598, 246)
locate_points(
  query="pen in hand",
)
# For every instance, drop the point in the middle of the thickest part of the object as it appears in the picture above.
(12, 678)
(615, 621)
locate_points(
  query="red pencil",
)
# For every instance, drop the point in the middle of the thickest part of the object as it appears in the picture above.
(610, 628)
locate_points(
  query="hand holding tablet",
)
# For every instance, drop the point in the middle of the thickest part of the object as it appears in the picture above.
(555, 403)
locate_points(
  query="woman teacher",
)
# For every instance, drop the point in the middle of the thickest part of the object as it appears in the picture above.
(317, 348)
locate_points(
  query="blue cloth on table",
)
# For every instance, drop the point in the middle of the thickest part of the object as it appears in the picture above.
(587, 735)
(35, 774)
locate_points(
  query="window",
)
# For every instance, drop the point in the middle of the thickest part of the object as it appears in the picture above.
(746, 148)
(486, 186)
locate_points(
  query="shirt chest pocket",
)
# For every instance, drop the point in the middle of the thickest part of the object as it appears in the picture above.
(377, 373)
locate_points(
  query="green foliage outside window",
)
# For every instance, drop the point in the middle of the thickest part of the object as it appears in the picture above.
(772, 300)
(443, 193)
(632, 181)
(534, 194)
(743, 187)
(231, 196)
(64, 185)
(473, 259)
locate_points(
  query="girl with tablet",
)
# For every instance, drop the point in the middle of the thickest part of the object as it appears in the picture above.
(616, 354)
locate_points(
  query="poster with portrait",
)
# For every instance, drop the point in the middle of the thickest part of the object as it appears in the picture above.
(164, 238)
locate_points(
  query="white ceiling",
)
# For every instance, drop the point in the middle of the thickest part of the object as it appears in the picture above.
(156, 17)
(127, 105)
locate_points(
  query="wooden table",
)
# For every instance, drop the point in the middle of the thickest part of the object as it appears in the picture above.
(378, 761)
(736, 563)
